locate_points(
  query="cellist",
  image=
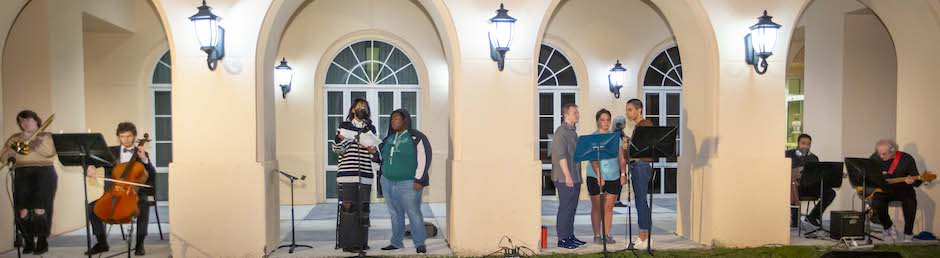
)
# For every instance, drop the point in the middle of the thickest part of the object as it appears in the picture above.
(126, 134)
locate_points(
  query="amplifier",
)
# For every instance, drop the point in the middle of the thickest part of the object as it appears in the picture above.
(846, 224)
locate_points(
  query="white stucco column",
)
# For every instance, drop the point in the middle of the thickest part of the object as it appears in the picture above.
(219, 185)
(495, 188)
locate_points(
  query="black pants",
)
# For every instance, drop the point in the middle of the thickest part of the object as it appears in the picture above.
(908, 201)
(827, 196)
(353, 223)
(34, 189)
(97, 225)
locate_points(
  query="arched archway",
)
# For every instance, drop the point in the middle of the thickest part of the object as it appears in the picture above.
(878, 43)
(683, 20)
(305, 118)
(91, 66)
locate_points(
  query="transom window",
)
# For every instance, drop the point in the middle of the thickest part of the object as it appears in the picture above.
(557, 86)
(377, 72)
(662, 87)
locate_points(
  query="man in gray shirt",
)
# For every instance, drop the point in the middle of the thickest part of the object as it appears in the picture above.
(566, 175)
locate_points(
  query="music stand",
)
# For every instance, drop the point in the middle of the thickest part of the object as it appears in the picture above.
(823, 174)
(84, 149)
(865, 174)
(653, 142)
(598, 147)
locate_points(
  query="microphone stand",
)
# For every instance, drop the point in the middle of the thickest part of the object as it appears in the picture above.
(293, 240)
(17, 237)
(357, 200)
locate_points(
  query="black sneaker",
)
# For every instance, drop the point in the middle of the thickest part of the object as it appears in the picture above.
(389, 248)
(422, 249)
(577, 241)
(140, 251)
(620, 204)
(28, 245)
(100, 247)
(41, 246)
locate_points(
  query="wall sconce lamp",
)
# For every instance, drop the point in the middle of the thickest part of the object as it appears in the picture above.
(283, 76)
(616, 77)
(500, 35)
(210, 35)
(759, 44)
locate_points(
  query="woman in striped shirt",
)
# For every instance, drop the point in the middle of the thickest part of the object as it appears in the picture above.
(354, 176)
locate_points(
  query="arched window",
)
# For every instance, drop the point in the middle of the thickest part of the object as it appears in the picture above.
(557, 86)
(662, 91)
(375, 71)
(162, 154)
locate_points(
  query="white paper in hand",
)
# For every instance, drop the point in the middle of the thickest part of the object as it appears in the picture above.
(348, 134)
(369, 139)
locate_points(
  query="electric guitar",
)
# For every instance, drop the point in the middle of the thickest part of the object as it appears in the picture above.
(926, 177)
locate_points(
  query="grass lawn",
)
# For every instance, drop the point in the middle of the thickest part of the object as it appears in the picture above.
(783, 251)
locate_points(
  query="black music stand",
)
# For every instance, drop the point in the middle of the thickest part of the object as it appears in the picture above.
(293, 240)
(653, 142)
(822, 174)
(597, 147)
(84, 149)
(865, 174)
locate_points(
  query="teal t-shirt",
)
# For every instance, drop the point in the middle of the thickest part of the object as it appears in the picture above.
(609, 167)
(399, 158)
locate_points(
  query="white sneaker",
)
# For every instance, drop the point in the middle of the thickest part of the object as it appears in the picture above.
(889, 235)
(640, 244)
(908, 238)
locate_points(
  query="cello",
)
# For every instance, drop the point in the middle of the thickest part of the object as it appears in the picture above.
(118, 205)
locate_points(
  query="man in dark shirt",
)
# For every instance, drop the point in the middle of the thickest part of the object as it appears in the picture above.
(798, 159)
(566, 175)
(896, 164)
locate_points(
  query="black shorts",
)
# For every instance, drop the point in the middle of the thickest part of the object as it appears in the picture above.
(610, 186)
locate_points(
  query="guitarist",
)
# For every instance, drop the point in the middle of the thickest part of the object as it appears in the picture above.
(896, 164)
(126, 133)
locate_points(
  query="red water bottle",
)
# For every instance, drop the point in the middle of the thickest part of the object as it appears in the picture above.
(544, 241)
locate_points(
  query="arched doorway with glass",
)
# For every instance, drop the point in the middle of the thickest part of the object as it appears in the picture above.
(162, 153)
(378, 72)
(662, 97)
(557, 86)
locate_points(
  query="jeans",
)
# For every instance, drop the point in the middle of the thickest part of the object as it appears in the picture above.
(567, 207)
(641, 174)
(402, 199)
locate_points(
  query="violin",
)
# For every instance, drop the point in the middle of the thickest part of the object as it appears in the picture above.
(118, 205)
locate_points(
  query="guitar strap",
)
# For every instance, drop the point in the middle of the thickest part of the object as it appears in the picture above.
(894, 164)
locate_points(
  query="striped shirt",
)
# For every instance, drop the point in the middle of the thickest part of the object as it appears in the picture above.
(355, 162)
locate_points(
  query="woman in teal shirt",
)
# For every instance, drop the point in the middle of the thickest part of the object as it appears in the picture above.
(610, 180)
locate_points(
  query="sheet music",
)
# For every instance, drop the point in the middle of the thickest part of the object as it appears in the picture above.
(367, 139)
